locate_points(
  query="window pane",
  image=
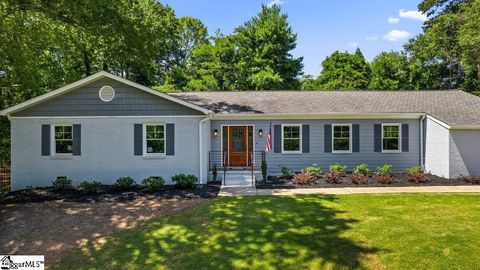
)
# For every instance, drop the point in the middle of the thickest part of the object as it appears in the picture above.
(390, 131)
(64, 147)
(390, 144)
(341, 144)
(291, 144)
(155, 146)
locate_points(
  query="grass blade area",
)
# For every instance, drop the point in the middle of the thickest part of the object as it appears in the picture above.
(394, 231)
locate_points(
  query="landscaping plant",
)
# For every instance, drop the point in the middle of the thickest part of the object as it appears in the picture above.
(469, 179)
(361, 174)
(264, 170)
(185, 181)
(214, 172)
(303, 178)
(62, 183)
(90, 187)
(384, 175)
(338, 168)
(333, 178)
(416, 175)
(286, 172)
(124, 183)
(153, 183)
(313, 170)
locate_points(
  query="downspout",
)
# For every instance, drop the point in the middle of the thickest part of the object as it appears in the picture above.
(200, 145)
(422, 143)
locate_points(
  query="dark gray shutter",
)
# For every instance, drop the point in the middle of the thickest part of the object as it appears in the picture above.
(356, 138)
(328, 138)
(377, 137)
(138, 140)
(170, 139)
(277, 138)
(77, 140)
(45, 140)
(405, 141)
(305, 139)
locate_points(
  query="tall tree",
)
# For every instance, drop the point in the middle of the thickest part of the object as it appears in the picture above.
(390, 71)
(264, 47)
(344, 71)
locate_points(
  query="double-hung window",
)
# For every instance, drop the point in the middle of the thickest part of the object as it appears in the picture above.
(390, 137)
(341, 138)
(154, 140)
(291, 139)
(63, 139)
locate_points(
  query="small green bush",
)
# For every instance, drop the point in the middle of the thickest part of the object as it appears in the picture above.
(185, 181)
(385, 169)
(214, 172)
(62, 183)
(3, 193)
(264, 170)
(124, 183)
(338, 168)
(286, 172)
(153, 183)
(313, 170)
(90, 187)
(415, 169)
(361, 169)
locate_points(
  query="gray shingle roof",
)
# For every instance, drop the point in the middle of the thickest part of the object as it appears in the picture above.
(452, 107)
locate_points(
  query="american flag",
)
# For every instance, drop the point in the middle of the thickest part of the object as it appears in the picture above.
(268, 146)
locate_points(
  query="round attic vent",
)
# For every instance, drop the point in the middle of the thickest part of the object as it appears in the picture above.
(106, 93)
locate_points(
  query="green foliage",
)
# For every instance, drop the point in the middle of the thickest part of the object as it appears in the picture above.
(214, 172)
(338, 168)
(185, 181)
(124, 183)
(313, 170)
(90, 187)
(344, 71)
(286, 172)
(362, 169)
(385, 169)
(264, 170)
(390, 71)
(62, 183)
(415, 169)
(153, 183)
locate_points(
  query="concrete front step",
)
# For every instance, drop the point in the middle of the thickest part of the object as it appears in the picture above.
(239, 178)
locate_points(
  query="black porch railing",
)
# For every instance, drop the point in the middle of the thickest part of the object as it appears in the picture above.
(219, 159)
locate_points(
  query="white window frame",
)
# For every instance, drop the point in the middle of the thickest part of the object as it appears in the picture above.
(301, 139)
(145, 153)
(54, 140)
(349, 151)
(399, 137)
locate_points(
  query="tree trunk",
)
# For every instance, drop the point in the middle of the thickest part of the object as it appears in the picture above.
(86, 63)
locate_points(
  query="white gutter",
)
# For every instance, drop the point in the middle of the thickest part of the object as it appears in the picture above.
(200, 145)
(422, 120)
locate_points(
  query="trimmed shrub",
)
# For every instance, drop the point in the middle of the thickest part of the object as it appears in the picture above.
(264, 170)
(303, 178)
(185, 181)
(333, 178)
(124, 183)
(469, 179)
(62, 183)
(360, 179)
(214, 172)
(362, 169)
(383, 174)
(90, 187)
(338, 168)
(313, 170)
(286, 172)
(416, 175)
(153, 183)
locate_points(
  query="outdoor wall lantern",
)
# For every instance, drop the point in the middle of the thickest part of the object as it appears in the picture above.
(260, 132)
(215, 133)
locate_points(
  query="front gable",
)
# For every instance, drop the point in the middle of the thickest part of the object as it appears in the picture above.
(130, 99)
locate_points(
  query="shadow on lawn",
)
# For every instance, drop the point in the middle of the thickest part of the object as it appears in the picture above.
(249, 232)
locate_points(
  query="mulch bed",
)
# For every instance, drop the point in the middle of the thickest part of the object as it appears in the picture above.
(400, 181)
(109, 194)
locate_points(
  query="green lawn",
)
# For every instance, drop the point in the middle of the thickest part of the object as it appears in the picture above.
(405, 231)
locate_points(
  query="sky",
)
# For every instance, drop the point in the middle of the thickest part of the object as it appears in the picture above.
(322, 26)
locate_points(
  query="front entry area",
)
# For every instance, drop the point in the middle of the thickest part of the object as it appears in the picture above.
(238, 144)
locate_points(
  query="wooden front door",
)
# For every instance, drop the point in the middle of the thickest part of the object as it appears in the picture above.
(237, 147)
